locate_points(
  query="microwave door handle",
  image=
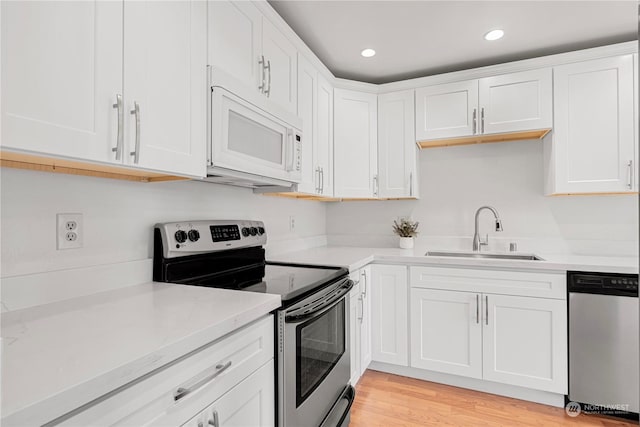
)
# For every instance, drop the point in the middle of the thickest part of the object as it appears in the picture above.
(290, 151)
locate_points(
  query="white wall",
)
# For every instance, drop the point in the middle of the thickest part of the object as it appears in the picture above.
(455, 181)
(119, 216)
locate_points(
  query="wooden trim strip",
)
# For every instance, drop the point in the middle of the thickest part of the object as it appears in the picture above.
(484, 139)
(70, 167)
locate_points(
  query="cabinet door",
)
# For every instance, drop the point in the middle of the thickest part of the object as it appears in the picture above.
(235, 39)
(355, 144)
(593, 141)
(281, 56)
(165, 77)
(365, 326)
(61, 72)
(447, 111)
(324, 136)
(389, 308)
(525, 342)
(355, 304)
(446, 333)
(516, 102)
(397, 148)
(250, 403)
(307, 111)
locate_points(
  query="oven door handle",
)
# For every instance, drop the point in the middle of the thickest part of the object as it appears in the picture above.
(330, 300)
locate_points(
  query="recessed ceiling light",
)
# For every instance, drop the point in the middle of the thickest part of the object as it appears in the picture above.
(494, 35)
(368, 53)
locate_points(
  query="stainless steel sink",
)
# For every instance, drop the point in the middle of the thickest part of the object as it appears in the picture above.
(522, 257)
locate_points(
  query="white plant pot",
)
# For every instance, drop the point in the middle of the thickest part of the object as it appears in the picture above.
(406, 242)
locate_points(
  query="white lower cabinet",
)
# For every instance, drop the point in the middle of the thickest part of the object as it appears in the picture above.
(229, 382)
(525, 342)
(250, 403)
(389, 321)
(360, 322)
(509, 339)
(446, 333)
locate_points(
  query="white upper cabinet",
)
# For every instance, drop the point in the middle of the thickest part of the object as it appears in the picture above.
(61, 75)
(315, 108)
(307, 111)
(355, 144)
(247, 46)
(516, 102)
(491, 105)
(397, 150)
(281, 58)
(122, 85)
(235, 40)
(447, 110)
(593, 145)
(324, 137)
(165, 48)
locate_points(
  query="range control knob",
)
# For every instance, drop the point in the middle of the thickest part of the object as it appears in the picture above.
(194, 235)
(260, 231)
(181, 236)
(253, 231)
(245, 232)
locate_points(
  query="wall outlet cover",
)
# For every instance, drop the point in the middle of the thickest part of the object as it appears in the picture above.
(69, 231)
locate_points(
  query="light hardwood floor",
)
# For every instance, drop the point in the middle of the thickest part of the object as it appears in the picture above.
(390, 400)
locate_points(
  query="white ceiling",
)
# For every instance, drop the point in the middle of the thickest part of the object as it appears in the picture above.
(420, 38)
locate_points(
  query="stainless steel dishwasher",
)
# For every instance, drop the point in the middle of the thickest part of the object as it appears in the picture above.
(603, 341)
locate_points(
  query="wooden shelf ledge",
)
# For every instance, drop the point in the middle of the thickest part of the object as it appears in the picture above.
(304, 196)
(71, 167)
(484, 139)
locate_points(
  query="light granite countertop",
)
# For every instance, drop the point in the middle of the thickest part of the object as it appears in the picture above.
(59, 356)
(354, 258)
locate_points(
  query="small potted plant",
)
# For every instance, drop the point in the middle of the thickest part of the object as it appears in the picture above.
(407, 230)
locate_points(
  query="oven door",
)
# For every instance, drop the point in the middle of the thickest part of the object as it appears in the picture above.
(315, 366)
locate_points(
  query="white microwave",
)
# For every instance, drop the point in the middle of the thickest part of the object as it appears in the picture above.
(254, 142)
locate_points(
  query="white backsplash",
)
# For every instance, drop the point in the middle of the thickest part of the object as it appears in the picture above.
(119, 217)
(455, 181)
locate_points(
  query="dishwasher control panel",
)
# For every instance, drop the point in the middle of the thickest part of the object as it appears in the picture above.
(602, 283)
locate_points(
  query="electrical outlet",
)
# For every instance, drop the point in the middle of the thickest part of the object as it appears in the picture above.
(292, 223)
(69, 231)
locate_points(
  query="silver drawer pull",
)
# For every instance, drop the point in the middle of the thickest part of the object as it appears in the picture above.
(136, 151)
(120, 135)
(183, 391)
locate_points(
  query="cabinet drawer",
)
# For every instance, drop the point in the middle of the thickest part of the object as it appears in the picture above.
(151, 398)
(524, 283)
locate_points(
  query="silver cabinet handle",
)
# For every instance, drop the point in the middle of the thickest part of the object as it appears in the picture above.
(119, 139)
(316, 179)
(630, 174)
(136, 152)
(364, 276)
(183, 391)
(486, 309)
(482, 119)
(361, 308)
(262, 86)
(215, 422)
(321, 180)
(478, 308)
(269, 79)
(475, 121)
(411, 184)
(375, 185)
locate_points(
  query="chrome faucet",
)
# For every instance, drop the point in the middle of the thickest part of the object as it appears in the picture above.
(477, 240)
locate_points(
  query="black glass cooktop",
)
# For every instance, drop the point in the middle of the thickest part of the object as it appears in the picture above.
(294, 281)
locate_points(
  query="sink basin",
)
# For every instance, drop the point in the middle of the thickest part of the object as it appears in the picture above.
(521, 257)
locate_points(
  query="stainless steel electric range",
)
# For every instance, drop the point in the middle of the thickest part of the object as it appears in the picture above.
(313, 356)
